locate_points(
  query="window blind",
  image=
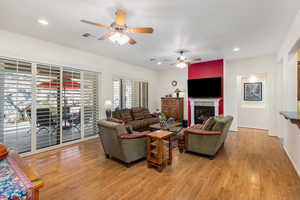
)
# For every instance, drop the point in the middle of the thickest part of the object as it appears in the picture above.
(48, 101)
(129, 94)
(90, 102)
(71, 104)
(15, 104)
(116, 95)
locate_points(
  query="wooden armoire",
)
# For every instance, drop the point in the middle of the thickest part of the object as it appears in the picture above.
(172, 107)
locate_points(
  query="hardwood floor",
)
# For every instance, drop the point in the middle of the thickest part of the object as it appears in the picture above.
(251, 166)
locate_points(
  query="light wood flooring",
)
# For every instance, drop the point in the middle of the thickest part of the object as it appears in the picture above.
(251, 166)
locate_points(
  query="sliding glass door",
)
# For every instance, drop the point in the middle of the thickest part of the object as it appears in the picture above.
(71, 105)
(44, 105)
(48, 101)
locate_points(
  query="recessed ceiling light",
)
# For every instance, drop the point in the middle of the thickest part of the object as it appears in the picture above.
(236, 49)
(159, 63)
(43, 22)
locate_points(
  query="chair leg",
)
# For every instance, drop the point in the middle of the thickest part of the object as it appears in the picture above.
(107, 156)
(211, 157)
(128, 165)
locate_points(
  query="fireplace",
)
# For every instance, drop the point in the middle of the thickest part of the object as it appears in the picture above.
(202, 109)
(202, 113)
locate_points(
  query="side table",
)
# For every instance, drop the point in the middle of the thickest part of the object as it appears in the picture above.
(159, 149)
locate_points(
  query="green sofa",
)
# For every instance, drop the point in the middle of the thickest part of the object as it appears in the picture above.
(119, 144)
(207, 140)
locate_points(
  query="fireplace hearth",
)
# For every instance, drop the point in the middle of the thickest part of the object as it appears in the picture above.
(202, 113)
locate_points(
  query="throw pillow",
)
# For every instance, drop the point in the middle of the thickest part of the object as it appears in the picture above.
(219, 125)
(146, 113)
(126, 115)
(208, 125)
(137, 113)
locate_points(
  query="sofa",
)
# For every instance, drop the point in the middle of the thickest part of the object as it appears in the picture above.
(208, 138)
(135, 118)
(119, 144)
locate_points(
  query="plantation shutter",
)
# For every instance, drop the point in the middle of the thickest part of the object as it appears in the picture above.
(144, 94)
(48, 102)
(135, 99)
(127, 89)
(90, 102)
(116, 104)
(15, 104)
(71, 104)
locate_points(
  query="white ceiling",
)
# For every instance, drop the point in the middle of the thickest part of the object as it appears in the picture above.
(208, 28)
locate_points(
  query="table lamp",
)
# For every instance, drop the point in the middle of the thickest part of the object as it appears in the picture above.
(108, 106)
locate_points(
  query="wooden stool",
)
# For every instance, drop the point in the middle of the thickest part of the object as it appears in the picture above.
(159, 149)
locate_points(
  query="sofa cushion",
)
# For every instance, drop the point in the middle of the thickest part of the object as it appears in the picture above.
(126, 115)
(137, 124)
(137, 113)
(152, 120)
(146, 113)
(208, 125)
(116, 114)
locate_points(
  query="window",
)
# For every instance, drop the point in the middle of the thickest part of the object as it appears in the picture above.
(129, 94)
(48, 98)
(90, 101)
(44, 105)
(15, 104)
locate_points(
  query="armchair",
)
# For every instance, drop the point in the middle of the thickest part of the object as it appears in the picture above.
(207, 142)
(119, 144)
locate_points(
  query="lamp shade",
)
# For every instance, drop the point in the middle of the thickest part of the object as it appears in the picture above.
(107, 105)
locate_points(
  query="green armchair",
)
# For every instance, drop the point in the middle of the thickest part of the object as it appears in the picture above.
(207, 142)
(118, 143)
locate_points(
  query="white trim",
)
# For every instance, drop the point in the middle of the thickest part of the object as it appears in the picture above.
(193, 101)
(58, 146)
(33, 108)
(81, 105)
(292, 161)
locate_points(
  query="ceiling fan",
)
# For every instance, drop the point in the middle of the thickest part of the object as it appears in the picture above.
(183, 61)
(119, 30)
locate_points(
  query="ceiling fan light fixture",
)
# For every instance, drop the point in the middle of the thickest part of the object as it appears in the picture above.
(119, 38)
(181, 65)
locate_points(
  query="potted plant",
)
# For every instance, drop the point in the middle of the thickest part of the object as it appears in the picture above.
(162, 120)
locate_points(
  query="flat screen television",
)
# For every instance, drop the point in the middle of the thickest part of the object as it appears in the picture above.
(205, 88)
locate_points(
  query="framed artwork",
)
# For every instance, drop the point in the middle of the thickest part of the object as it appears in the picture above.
(253, 91)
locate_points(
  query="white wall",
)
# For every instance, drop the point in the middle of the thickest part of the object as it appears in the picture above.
(22, 47)
(256, 116)
(252, 108)
(164, 85)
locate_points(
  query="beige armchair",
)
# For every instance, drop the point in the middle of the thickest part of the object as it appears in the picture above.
(119, 144)
(207, 142)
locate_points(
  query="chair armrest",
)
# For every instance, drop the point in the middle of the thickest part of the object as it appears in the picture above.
(117, 120)
(132, 136)
(197, 131)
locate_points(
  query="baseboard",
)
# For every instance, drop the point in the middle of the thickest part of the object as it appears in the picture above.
(292, 161)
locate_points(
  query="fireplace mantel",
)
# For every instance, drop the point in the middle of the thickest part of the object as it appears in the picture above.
(203, 101)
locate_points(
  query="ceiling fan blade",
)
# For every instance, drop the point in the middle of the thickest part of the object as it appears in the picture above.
(96, 24)
(120, 18)
(195, 60)
(141, 30)
(107, 35)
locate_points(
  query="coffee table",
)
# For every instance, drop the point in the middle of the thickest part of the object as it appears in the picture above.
(167, 127)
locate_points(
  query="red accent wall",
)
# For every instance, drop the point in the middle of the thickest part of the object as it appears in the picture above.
(210, 69)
